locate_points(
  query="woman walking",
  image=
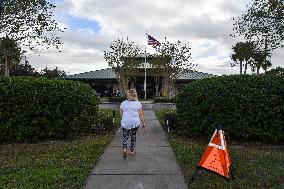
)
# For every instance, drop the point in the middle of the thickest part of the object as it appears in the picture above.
(132, 118)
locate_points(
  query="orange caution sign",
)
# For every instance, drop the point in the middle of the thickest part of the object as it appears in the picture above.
(216, 156)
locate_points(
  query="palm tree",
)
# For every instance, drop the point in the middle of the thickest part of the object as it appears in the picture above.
(260, 60)
(248, 48)
(238, 55)
(267, 64)
(243, 53)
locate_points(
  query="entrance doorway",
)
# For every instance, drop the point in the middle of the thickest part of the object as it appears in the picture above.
(150, 87)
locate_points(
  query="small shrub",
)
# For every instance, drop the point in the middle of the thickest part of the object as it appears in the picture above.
(168, 118)
(103, 123)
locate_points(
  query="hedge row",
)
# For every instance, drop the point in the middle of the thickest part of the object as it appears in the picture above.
(117, 99)
(248, 107)
(39, 108)
(165, 100)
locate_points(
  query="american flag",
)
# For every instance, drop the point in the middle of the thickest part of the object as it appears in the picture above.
(153, 41)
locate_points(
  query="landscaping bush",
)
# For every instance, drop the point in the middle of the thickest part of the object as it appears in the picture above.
(39, 108)
(169, 115)
(103, 123)
(164, 100)
(248, 107)
(117, 99)
(170, 119)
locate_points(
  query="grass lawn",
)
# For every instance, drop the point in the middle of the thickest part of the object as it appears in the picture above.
(257, 167)
(62, 164)
(59, 164)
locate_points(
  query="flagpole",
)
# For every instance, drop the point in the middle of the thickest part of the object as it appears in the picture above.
(151, 41)
(145, 85)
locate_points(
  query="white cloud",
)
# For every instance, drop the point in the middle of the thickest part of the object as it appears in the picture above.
(206, 25)
(80, 53)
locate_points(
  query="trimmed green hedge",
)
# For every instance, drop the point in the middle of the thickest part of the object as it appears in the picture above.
(117, 99)
(248, 107)
(37, 108)
(165, 100)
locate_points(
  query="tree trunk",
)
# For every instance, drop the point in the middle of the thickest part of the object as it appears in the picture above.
(125, 84)
(6, 65)
(120, 86)
(246, 67)
(266, 53)
(163, 89)
(241, 67)
(257, 70)
(132, 82)
(172, 88)
(157, 84)
(166, 85)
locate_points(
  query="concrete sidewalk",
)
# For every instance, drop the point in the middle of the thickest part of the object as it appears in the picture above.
(153, 167)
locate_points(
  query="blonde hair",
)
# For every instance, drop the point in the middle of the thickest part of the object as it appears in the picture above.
(132, 95)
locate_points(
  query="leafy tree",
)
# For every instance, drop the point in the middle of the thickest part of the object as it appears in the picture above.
(158, 67)
(171, 61)
(130, 68)
(178, 64)
(25, 69)
(9, 52)
(276, 71)
(21, 69)
(116, 57)
(26, 23)
(29, 23)
(263, 23)
(52, 73)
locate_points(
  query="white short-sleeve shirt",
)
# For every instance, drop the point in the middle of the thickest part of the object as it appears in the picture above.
(130, 117)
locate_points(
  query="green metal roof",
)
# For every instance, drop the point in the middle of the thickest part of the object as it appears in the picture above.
(98, 74)
(109, 74)
(194, 75)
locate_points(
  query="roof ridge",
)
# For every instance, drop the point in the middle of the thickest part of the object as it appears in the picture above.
(108, 73)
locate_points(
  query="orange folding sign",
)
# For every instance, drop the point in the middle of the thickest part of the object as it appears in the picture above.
(216, 156)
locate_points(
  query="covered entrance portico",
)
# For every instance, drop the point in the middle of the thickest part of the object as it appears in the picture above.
(138, 84)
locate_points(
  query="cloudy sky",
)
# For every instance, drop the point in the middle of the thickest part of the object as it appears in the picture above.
(93, 24)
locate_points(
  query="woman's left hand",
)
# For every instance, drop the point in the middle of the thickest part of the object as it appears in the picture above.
(144, 126)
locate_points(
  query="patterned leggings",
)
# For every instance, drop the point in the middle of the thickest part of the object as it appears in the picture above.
(125, 135)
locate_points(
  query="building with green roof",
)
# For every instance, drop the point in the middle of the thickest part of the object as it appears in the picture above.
(105, 82)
